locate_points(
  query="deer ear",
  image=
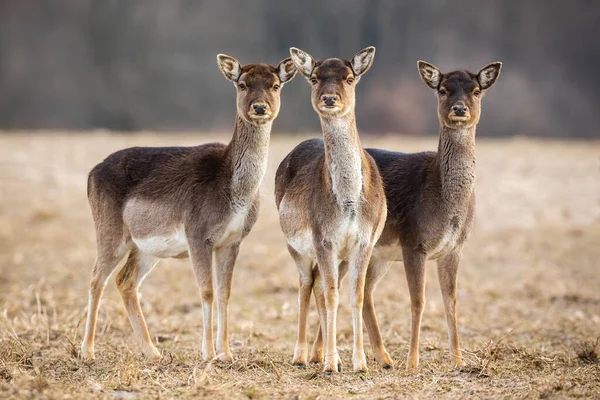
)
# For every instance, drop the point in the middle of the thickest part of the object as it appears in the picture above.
(286, 70)
(303, 61)
(363, 60)
(489, 74)
(230, 67)
(430, 74)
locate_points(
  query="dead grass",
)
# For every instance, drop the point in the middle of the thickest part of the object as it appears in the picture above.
(587, 351)
(529, 299)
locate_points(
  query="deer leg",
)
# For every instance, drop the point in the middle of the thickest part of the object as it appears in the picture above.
(109, 256)
(305, 266)
(328, 268)
(414, 266)
(375, 272)
(447, 274)
(358, 271)
(316, 354)
(225, 259)
(201, 256)
(317, 349)
(128, 279)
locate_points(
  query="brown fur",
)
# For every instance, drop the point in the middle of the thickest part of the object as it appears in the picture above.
(184, 201)
(431, 207)
(331, 201)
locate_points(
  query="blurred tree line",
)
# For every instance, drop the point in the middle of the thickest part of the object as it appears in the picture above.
(151, 64)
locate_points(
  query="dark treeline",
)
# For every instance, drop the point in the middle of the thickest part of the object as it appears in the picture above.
(151, 64)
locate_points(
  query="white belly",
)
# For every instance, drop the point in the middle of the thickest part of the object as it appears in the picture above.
(302, 242)
(394, 252)
(388, 253)
(344, 241)
(446, 244)
(234, 230)
(173, 245)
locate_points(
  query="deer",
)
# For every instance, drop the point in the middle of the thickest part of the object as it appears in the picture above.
(431, 209)
(331, 202)
(150, 203)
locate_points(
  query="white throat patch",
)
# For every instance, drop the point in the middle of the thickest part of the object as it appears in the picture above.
(345, 161)
(251, 166)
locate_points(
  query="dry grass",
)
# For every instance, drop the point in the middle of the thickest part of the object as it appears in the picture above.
(529, 298)
(588, 351)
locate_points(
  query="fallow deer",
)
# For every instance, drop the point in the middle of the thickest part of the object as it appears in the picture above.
(152, 203)
(331, 201)
(431, 206)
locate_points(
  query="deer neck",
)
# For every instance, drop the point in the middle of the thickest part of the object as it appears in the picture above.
(246, 159)
(343, 161)
(456, 153)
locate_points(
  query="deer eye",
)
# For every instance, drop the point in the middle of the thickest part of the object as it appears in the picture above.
(242, 86)
(276, 87)
(443, 92)
(313, 80)
(350, 80)
(477, 92)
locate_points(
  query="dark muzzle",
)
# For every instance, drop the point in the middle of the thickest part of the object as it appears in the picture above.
(329, 100)
(460, 110)
(259, 109)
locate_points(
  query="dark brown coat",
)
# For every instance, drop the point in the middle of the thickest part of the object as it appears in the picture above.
(153, 203)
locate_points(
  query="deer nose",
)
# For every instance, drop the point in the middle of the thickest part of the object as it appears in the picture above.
(259, 108)
(459, 110)
(329, 100)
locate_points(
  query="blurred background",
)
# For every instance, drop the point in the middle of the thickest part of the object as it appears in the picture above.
(150, 65)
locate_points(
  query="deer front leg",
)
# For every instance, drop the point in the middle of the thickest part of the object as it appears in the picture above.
(414, 266)
(225, 259)
(201, 255)
(447, 274)
(305, 265)
(358, 270)
(328, 269)
(317, 350)
(316, 354)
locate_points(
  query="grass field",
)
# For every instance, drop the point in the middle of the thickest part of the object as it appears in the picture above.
(529, 288)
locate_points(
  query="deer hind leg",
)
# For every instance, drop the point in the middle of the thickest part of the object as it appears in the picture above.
(128, 279)
(376, 271)
(201, 256)
(317, 349)
(414, 266)
(305, 265)
(110, 253)
(447, 274)
(225, 259)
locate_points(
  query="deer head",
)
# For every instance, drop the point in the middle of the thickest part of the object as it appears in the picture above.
(333, 80)
(459, 93)
(258, 87)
